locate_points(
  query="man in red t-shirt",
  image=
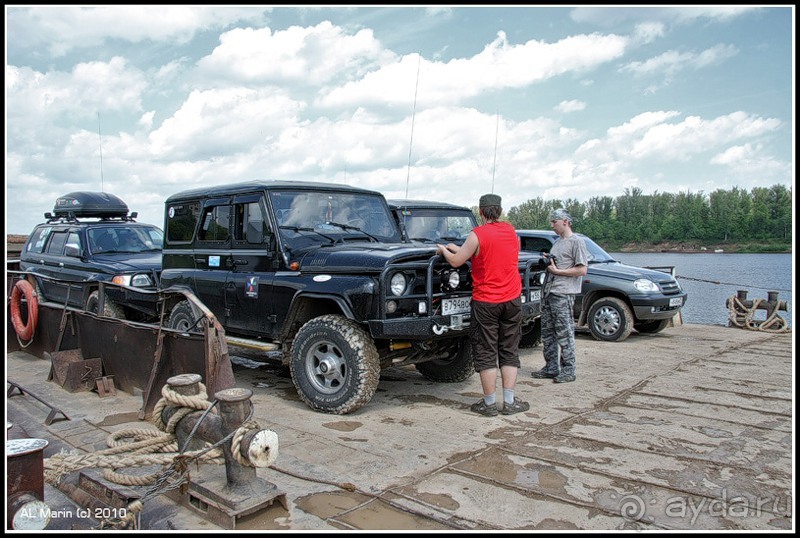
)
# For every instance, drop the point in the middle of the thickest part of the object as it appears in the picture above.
(496, 306)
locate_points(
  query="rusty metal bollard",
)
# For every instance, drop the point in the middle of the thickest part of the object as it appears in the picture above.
(25, 477)
(742, 308)
(242, 492)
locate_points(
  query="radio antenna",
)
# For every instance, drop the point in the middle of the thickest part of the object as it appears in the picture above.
(496, 130)
(413, 116)
(102, 189)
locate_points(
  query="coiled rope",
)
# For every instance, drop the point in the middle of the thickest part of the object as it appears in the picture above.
(151, 447)
(743, 317)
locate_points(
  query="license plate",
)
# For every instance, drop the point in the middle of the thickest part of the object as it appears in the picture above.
(677, 301)
(456, 306)
(536, 296)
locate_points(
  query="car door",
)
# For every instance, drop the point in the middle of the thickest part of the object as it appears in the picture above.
(212, 255)
(248, 296)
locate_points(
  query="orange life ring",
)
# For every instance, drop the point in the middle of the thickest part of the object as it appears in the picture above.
(24, 330)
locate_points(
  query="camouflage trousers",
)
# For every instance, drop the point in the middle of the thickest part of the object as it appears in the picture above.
(558, 334)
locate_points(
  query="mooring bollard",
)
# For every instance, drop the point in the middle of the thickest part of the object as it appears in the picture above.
(242, 492)
(742, 312)
(25, 484)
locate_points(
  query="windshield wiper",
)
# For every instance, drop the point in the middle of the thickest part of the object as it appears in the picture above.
(354, 228)
(298, 229)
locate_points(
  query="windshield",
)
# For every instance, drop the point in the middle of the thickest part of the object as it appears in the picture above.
(307, 219)
(448, 225)
(121, 238)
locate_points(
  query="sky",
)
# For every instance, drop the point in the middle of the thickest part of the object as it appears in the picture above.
(432, 102)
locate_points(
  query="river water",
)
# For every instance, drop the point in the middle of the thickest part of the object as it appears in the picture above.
(710, 279)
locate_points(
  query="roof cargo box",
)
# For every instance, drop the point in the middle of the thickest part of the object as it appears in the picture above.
(90, 204)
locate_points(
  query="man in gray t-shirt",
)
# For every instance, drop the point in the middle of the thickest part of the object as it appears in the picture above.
(568, 265)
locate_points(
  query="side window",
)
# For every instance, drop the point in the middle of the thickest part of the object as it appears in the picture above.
(215, 224)
(249, 224)
(74, 241)
(56, 244)
(536, 244)
(182, 221)
(38, 240)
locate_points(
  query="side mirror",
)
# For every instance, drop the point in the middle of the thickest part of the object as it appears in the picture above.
(72, 251)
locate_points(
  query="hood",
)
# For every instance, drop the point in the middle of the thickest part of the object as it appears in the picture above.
(626, 272)
(129, 263)
(364, 257)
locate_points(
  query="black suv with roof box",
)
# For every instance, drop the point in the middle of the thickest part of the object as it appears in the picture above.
(90, 238)
(441, 222)
(616, 298)
(316, 275)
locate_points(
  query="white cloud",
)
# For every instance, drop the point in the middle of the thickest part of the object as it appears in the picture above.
(63, 29)
(570, 106)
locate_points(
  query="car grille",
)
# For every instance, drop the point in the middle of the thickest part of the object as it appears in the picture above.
(670, 287)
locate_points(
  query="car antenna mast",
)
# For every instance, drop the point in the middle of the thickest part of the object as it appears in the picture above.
(102, 189)
(413, 116)
(496, 130)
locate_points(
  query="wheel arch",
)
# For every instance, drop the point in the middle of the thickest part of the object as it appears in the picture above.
(596, 295)
(307, 306)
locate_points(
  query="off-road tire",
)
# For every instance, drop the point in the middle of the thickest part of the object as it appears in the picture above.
(652, 327)
(183, 319)
(335, 365)
(610, 319)
(455, 368)
(531, 334)
(110, 308)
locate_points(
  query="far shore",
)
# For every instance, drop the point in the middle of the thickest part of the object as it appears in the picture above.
(691, 248)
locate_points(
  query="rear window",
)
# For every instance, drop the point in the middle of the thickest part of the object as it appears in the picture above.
(38, 239)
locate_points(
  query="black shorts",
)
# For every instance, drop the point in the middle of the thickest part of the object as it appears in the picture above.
(494, 334)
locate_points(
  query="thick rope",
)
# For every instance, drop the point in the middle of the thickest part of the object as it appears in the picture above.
(236, 442)
(141, 452)
(743, 317)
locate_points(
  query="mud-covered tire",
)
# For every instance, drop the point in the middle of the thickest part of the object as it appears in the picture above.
(183, 319)
(531, 334)
(335, 365)
(454, 368)
(110, 308)
(610, 319)
(652, 327)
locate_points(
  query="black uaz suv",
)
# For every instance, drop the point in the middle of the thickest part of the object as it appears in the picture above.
(316, 274)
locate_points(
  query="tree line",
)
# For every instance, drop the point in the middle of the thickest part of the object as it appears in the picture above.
(759, 220)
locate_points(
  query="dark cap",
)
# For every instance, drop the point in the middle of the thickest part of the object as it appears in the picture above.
(490, 200)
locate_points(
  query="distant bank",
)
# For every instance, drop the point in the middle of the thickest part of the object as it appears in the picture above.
(689, 247)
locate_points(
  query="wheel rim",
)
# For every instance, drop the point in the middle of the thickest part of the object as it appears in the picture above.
(326, 368)
(607, 321)
(182, 324)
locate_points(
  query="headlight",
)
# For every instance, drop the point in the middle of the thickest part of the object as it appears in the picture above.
(398, 284)
(644, 284)
(541, 277)
(453, 280)
(136, 281)
(141, 281)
